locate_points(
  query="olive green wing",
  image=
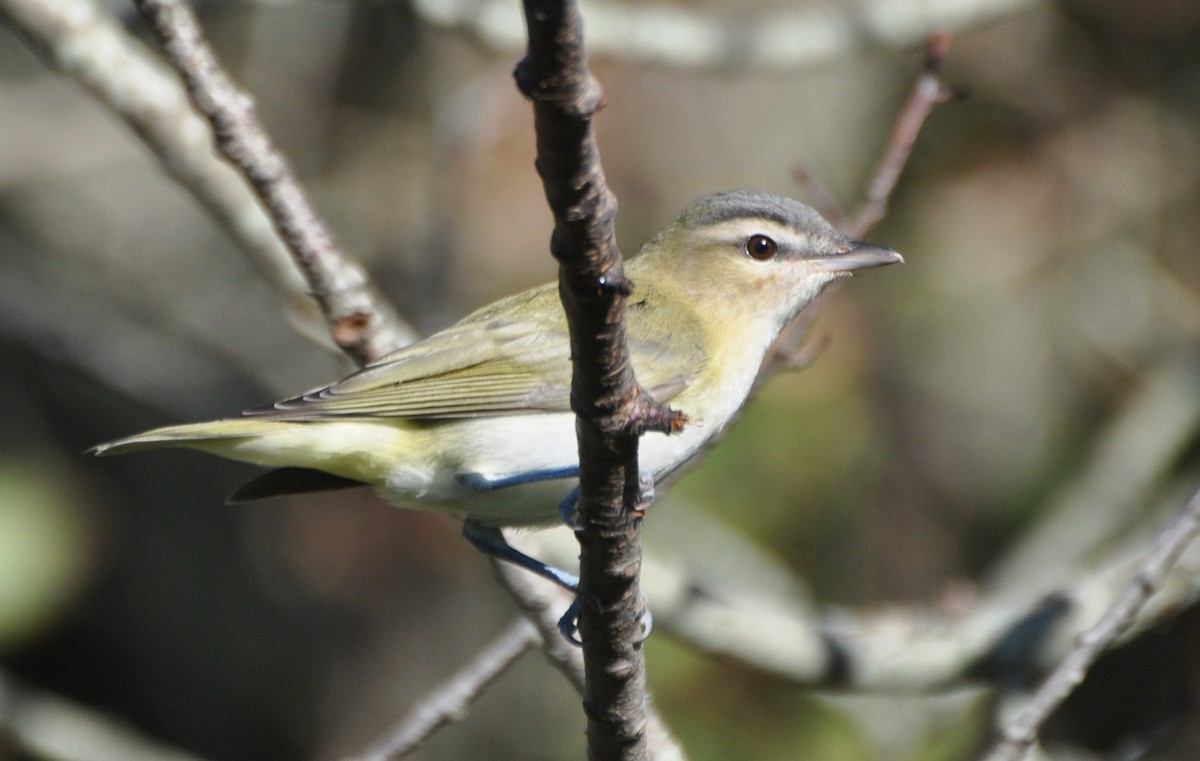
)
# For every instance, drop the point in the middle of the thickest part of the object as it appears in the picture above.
(491, 363)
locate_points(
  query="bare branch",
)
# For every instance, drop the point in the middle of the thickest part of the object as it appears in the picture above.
(928, 92)
(451, 700)
(80, 40)
(759, 617)
(819, 195)
(897, 648)
(542, 603)
(793, 349)
(1021, 733)
(361, 323)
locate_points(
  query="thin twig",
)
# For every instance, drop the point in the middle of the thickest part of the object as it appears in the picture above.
(928, 92)
(819, 196)
(86, 44)
(542, 603)
(449, 703)
(1019, 735)
(791, 350)
(360, 322)
(795, 349)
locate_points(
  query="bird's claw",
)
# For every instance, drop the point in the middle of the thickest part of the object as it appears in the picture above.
(568, 509)
(568, 625)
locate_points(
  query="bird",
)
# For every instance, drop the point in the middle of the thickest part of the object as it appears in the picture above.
(475, 421)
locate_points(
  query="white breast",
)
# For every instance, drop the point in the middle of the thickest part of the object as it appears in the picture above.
(497, 449)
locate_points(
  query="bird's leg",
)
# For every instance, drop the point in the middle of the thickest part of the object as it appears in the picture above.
(489, 541)
(568, 625)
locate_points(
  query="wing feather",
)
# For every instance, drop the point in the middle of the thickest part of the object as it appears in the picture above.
(491, 364)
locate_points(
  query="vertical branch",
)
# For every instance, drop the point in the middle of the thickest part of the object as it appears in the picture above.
(611, 410)
(360, 322)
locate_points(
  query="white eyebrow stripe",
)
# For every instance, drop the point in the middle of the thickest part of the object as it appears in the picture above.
(743, 227)
(735, 232)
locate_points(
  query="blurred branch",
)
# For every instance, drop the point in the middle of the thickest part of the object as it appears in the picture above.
(909, 647)
(796, 348)
(1150, 576)
(912, 648)
(361, 322)
(928, 92)
(541, 605)
(79, 39)
(901, 648)
(689, 38)
(47, 726)
(1130, 458)
(450, 701)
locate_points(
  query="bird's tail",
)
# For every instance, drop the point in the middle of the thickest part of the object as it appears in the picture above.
(294, 449)
(359, 450)
(215, 434)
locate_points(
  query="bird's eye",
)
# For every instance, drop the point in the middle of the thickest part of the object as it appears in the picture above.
(761, 247)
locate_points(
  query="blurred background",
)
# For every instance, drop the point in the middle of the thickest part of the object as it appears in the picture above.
(1049, 223)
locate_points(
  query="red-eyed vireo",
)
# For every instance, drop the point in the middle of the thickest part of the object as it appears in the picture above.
(475, 420)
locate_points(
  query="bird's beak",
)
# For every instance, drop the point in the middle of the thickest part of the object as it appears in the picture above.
(856, 255)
